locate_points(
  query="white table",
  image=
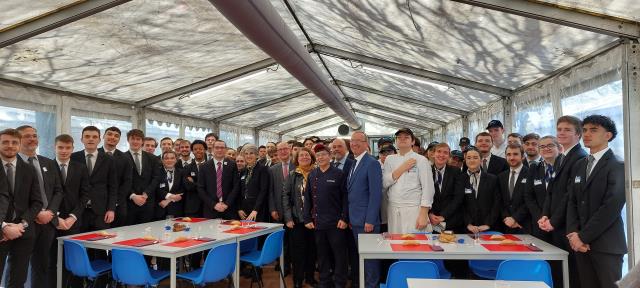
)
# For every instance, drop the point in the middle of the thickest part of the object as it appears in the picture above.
(373, 246)
(209, 228)
(444, 283)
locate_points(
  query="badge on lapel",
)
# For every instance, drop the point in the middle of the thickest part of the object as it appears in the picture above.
(578, 179)
(524, 181)
(193, 174)
(44, 169)
(162, 185)
(468, 191)
(537, 182)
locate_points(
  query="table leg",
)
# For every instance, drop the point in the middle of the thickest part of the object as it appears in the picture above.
(361, 271)
(59, 267)
(236, 272)
(282, 285)
(172, 280)
(565, 272)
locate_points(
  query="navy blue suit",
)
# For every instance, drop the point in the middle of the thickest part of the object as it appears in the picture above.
(364, 186)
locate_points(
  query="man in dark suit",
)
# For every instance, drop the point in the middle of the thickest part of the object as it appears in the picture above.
(184, 154)
(596, 198)
(209, 139)
(219, 185)
(192, 202)
(481, 195)
(491, 164)
(103, 178)
(51, 194)
(449, 195)
(553, 220)
(540, 175)
(170, 190)
(144, 180)
(150, 145)
(513, 183)
(365, 193)
(18, 209)
(112, 137)
(279, 174)
(340, 155)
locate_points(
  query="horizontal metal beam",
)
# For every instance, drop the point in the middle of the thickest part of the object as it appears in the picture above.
(567, 16)
(402, 98)
(406, 69)
(316, 130)
(54, 19)
(395, 111)
(215, 80)
(396, 125)
(385, 118)
(308, 124)
(291, 117)
(262, 105)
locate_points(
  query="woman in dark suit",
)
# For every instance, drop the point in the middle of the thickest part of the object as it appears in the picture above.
(293, 202)
(481, 195)
(254, 187)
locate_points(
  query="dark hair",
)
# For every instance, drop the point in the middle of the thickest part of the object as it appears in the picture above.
(484, 134)
(441, 145)
(138, 133)
(603, 121)
(290, 142)
(308, 139)
(185, 140)
(199, 142)
(11, 132)
(417, 142)
(530, 136)
(313, 156)
(514, 134)
(225, 144)
(114, 129)
(211, 135)
(166, 138)
(515, 146)
(64, 138)
(298, 144)
(145, 139)
(90, 128)
(169, 152)
(573, 120)
(262, 146)
(20, 128)
(470, 148)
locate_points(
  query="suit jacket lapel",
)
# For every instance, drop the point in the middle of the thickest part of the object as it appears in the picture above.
(357, 170)
(99, 160)
(601, 163)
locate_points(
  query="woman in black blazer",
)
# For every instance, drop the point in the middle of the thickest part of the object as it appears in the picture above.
(254, 187)
(481, 195)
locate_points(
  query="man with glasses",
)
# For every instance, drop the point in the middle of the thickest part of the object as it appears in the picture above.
(219, 184)
(540, 175)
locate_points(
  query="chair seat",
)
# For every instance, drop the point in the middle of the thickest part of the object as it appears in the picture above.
(383, 285)
(252, 258)
(100, 266)
(157, 275)
(191, 276)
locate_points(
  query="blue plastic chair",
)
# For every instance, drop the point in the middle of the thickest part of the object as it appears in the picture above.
(525, 270)
(248, 245)
(77, 262)
(485, 268)
(130, 268)
(401, 270)
(213, 269)
(271, 250)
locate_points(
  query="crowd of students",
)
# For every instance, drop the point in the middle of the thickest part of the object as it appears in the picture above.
(325, 192)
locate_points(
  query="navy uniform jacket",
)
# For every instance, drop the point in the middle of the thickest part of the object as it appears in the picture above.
(326, 198)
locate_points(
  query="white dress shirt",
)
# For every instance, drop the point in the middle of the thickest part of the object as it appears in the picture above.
(414, 187)
(597, 157)
(500, 150)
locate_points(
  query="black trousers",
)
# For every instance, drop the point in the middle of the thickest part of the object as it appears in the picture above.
(19, 251)
(559, 239)
(599, 270)
(303, 253)
(121, 216)
(141, 214)
(92, 222)
(332, 253)
(44, 236)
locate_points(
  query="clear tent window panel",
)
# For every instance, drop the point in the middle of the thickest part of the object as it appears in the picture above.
(194, 133)
(44, 122)
(79, 122)
(159, 130)
(535, 119)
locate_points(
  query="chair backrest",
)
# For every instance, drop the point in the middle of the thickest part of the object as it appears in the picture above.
(272, 247)
(525, 270)
(220, 263)
(401, 270)
(248, 245)
(490, 233)
(130, 267)
(77, 260)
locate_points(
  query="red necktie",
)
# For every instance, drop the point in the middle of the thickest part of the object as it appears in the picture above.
(285, 170)
(219, 181)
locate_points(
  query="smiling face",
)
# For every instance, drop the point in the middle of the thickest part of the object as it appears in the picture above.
(514, 157)
(531, 147)
(150, 146)
(483, 143)
(359, 143)
(304, 158)
(169, 160)
(548, 149)
(9, 146)
(404, 141)
(567, 134)
(472, 159)
(135, 143)
(29, 141)
(441, 156)
(111, 138)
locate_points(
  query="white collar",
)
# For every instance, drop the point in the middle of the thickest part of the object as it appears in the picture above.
(14, 162)
(565, 152)
(60, 162)
(600, 153)
(359, 157)
(25, 157)
(517, 169)
(94, 154)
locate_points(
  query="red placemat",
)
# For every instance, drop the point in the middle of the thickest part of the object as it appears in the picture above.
(507, 248)
(421, 247)
(417, 237)
(193, 220)
(93, 237)
(136, 242)
(188, 243)
(487, 237)
(242, 223)
(243, 230)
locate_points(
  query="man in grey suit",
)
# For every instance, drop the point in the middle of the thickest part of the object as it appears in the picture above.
(279, 175)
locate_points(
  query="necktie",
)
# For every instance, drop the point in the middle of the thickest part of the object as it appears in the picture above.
(170, 176)
(89, 163)
(210, 156)
(590, 162)
(440, 179)
(474, 182)
(198, 165)
(109, 153)
(285, 171)
(336, 164)
(10, 176)
(353, 168)
(512, 182)
(484, 164)
(548, 175)
(43, 194)
(219, 181)
(136, 160)
(63, 172)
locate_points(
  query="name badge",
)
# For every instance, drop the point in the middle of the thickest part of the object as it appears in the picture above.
(524, 181)
(162, 185)
(578, 179)
(242, 178)
(468, 191)
(413, 169)
(44, 169)
(193, 174)
(331, 181)
(537, 182)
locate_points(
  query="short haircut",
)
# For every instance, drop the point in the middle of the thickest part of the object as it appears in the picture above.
(166, 138)
(11, 132)
(416, 141)
(90, 128)
(198, 142)
(515, 146)
(291, 141)
(211, 135)
(603, 121)
(262, 146)
(572, 120)
(225, 144)
(441, 145)
(530, 136)
(114, 129)
(274, 143)
(169, 152)
(185, 140)
(249, 148)
(313, 156)
(366, 137)
(139, 133)
(483, 134)
(23, 127)
(64, 138)
(298, 144)
(308, 139)
(514, 134)
(554, 140)
(145, 139)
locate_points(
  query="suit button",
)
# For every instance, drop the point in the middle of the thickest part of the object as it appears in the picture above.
(582, 202)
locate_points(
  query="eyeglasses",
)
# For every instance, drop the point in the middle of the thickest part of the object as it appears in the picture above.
(549, 146)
